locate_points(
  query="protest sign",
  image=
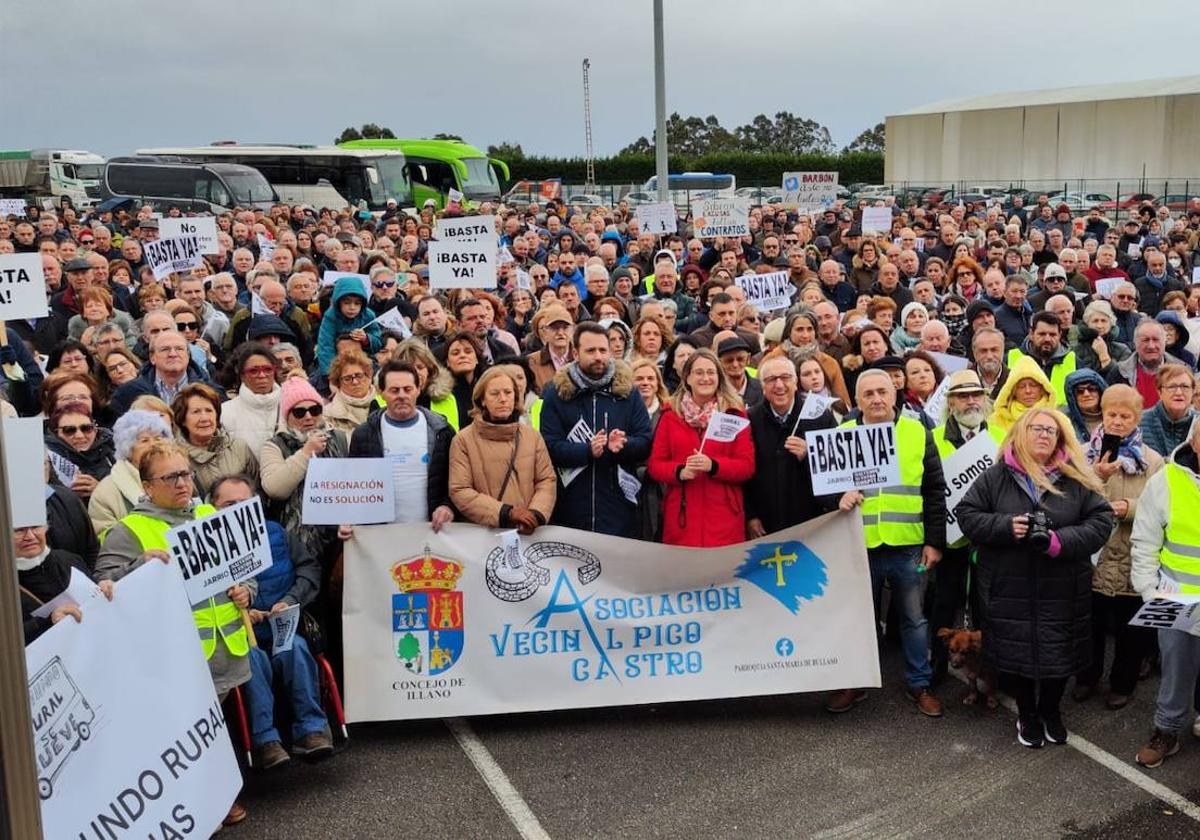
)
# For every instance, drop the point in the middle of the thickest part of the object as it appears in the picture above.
(935, 406)
(814, 406)
(127, 729)
(204, 228)
(723, 427)
(1105, 286)
(581, 432)
(22, 287)
(524, 280)
(462, 264)
(79, 591)
(330, 278)
(715, 217)
(173, 254)
(1176, 612)
(630, 486)
(948, 363)
(467, 229)
(449, 628)
(12, 207)
(65, 469)
(23, 453)
(852, 458)
(393, 321)
(658, 218)
(283, 628)
(966, 464)
(453, 196)
(266, 248)
(877, 220)
(348, 491)
(258, 306)
(221, 550)
(1196, 275)
(767, 291)
(810, 190)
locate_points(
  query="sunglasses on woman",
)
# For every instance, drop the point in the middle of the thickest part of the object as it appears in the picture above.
(82, 428)
(299, 411)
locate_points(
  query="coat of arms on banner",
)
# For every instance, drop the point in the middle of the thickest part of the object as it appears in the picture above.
(427, 614)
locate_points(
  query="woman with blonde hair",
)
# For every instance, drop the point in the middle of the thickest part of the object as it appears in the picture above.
(500, 470)
(703, 505)
(1036, 518)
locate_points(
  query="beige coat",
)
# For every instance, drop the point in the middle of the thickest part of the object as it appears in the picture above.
(115, 496)
(224, 455)
(479, 458)
(1112, 573)
(346, 413)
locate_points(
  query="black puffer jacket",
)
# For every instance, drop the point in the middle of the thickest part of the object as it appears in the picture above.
(1037, 608)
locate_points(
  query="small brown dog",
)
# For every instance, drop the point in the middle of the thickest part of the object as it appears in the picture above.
(964, 647)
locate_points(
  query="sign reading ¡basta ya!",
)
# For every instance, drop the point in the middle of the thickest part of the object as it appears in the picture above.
(221, 550)
(853, 458)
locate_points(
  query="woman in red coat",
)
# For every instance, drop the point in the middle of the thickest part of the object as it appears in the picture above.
(703, 502)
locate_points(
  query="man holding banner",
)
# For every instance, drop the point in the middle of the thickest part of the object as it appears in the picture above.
(905, 531)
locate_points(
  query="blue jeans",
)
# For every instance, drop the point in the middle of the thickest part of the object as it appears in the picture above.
(898, 566)
(298, 672)
(1180, 653)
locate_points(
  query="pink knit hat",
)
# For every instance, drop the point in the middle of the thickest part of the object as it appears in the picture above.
(296, 390)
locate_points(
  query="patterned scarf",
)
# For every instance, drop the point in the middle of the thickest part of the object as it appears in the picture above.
(585, 383)
(694, 414)
(1129, 453)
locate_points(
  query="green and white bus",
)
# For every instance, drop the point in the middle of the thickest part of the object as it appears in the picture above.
(437, 166)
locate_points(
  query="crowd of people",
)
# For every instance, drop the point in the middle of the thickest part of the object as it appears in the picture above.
(577, 390)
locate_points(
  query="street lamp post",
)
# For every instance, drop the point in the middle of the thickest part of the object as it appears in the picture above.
(660, 107)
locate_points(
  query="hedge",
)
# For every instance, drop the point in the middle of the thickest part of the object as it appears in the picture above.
(749, 169)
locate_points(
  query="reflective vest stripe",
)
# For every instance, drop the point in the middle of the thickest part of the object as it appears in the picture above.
(895, 515)
(210, 618)
(1180, 553)
(535, 414)
(447, 407)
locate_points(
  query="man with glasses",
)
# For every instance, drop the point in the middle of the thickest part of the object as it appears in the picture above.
(555, 327)
(222, 294)
(214, 324)
(1140, 370)
(1125, 310)
(171, 368)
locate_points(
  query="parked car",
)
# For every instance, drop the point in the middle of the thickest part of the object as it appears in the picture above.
(1126, 201)
(1177, 201)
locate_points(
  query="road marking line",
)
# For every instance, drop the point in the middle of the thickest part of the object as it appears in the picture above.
(1109, 761)
(519, 814)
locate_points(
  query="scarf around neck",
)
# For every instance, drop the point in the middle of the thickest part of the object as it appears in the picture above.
(694, 414)
(1130, 457)
(25, 564)
(585, 383)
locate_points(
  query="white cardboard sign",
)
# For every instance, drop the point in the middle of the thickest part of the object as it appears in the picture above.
(349, 491)
(724, 427)
(467, 229)
(173, 254)
(853, 458)
(12, 207)
(961, 469)
(810, 189)
(393, 321)
(283, 628)
(658, 218)
(877, 220)
(721, 217)
(23, 453)
(768, 292)
(221, 550)
(462, 264)
(329, 278)
(204, 228)
(22, 287)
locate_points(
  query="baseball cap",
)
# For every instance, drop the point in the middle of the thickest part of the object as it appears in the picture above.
(1055, 270)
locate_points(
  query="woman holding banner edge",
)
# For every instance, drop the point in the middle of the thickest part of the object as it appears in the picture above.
(703, 504)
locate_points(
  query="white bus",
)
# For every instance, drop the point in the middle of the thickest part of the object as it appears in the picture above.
(323, 176)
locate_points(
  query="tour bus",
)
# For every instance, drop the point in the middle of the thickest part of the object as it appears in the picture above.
(687, 187)
(165, 182)
(320, 176)
(437, 166)
(51, 173)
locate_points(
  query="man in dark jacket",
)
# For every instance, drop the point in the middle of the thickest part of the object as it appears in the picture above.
(779, 494)
(169, 369)
(666, 285)
(1012, 316)
(888, 285)
(722, 315)
(1155, 283)
(596, 427)
(396, 433)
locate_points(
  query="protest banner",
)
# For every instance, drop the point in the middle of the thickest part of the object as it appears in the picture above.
(12, 207)
(467, 229)
(949, 363)
(330, 278)
(283, 629)
(814, 406)
(173, 254)
(1170, 612)
(393, 321)
(935, 406)
(266, 248)
(258, 306)
(658, 218)
(453, 196)
(204, 228)
(64, 469)
(723, 427)
(449, 628)
(1105, 286)
(877, 220)
(810, 190)
(715, 217)
(80, 590)
(852, 458)
(462, 264)
(127, 730)
(221, 550)
(348, 491)
(961, 469)
(23, 453)
(22, 287)
(768, 292)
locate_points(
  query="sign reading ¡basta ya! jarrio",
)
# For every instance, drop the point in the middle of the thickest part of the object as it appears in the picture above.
(459, 623)
(853, 458)
(172, 254)
(221, 550)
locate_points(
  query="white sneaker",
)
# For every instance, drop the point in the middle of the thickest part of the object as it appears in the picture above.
(1196, 727)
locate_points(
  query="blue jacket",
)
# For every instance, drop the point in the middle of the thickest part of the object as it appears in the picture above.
(577, 278)
(294, 577)
(1161, 433)
(334, 324)
(1072, 411)
(593, 500)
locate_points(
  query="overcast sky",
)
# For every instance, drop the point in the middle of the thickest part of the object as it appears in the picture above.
(115, 77)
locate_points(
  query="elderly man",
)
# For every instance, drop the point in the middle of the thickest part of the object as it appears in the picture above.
(274, 297)
(779, 494)
(829, 333)
(666, 287)
(190, 289)
(887, 284)
(555, 327)
(1124, 303)
(905, 534)
(79, 277)
(170, 368)
(734, 355)
(935, 338)
(836, 289)
(1141, 369)
(1164, 548)
(1155, 283)
(1105, 267)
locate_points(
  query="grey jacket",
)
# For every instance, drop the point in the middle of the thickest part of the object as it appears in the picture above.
(1125, 372)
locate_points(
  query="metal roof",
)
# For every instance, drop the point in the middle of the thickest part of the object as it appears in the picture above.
(1176, 86)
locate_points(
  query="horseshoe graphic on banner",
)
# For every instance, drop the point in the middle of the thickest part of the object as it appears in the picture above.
(534, 574)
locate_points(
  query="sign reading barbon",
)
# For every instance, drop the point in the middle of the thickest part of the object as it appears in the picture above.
(454, 627)
(810, 190)
(128, 734)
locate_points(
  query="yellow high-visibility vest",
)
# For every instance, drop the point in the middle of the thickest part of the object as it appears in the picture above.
(895, 515)
(211, 618)
(535, 414)
(1180, 552)
(447, 406)
(1058, 375)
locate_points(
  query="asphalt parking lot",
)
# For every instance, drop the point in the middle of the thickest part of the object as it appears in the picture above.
(760, 767)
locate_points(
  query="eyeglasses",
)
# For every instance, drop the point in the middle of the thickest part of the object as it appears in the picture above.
(1045, 431)
(259, 370)
(352, 378)
(1124, 297)
(1179, 386)
(383, 284)
(300, 411)
(172, 351)
(116, 366)
(176, 478)
(187, 326)
(82, 428)
(783, 377)
(1087, 389)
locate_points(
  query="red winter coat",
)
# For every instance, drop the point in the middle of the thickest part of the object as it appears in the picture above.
(708, 510)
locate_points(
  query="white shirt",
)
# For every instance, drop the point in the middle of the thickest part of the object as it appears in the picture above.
(407, 448)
